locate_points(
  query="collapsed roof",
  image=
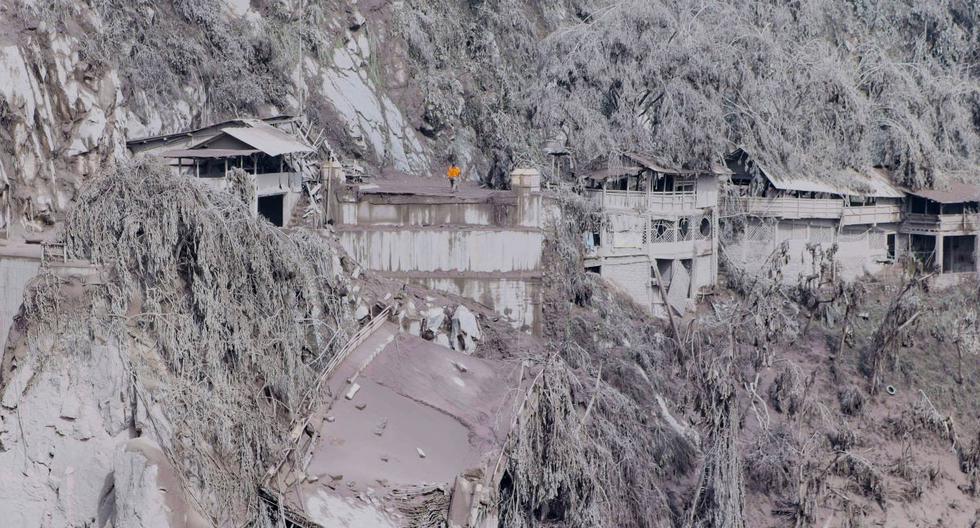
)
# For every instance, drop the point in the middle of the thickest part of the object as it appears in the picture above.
(870, 182)
(406, 414)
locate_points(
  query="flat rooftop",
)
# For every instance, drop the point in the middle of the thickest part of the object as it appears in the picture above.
(434, 187)
(422, 414)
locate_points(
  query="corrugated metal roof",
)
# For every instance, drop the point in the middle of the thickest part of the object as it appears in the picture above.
(955, 192)
(206, 131)
(208, 153)
(612, 172)
(800, 184)
(655, 164)
(872, 182)
(268, 139)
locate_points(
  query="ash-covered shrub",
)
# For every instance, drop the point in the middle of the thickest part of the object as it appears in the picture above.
(851, 400)
(788, 391)
(770, 462)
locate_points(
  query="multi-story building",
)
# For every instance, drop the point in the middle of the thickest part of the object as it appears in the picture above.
(658, 241)
(940, 227)
(871, 221)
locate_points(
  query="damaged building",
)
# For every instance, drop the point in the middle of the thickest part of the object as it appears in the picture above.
(658, 239)
(774, 208)
(273, 152)
(410, 429)
(478, 243)
(940, 227)
(872, 221)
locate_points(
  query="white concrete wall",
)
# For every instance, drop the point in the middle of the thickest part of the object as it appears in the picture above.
(632, 276)
(860, 248)
(522, 208)
(707, 194)
(444, 249)
(15, 273)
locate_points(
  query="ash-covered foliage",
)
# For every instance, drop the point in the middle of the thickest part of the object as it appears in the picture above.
(242, 317)
(599, 443)
(805, 86)
(161, 47)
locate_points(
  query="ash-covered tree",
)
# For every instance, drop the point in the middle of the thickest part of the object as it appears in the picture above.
(808, 86)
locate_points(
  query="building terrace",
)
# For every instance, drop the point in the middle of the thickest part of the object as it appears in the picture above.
(658, 240)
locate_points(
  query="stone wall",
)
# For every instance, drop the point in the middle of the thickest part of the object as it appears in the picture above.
(15, 273)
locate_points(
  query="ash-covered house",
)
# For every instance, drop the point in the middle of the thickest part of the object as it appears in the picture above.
(658, 236)
(768, 207)
(871, 220)
(940, 227)
(273, 151)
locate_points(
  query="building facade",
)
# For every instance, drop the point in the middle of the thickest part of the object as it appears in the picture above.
(272, 152)
(871, 221)
(658, 239)
(483, 244)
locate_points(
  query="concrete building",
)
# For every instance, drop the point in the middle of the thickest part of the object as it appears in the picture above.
(940, 228)
(481, 244)
(774, 208)
(871, 221)
(659, 233)
(272, 151)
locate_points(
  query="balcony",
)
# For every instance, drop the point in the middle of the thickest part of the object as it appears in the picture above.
(785, 207)
(660, 202)
(959, 223)
(872, 214)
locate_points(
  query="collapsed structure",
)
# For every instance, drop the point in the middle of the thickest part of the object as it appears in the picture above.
(410, 432)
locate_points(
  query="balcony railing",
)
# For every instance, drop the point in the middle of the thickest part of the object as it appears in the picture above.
(872, 214)
(785, 207)
(945, 223)
(641, 200)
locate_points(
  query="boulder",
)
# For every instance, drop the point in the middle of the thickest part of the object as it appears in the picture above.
(465, 330)
(434, 318)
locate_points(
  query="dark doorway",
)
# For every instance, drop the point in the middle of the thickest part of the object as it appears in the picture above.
(271, 207)
(923, 249)
(890, 240)
(959, 254)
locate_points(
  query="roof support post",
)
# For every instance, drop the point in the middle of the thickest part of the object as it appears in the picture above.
(649, 185)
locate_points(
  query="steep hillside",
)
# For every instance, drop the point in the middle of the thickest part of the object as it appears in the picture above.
(406, 85)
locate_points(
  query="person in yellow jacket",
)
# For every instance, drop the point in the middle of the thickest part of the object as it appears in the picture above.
(453, 174)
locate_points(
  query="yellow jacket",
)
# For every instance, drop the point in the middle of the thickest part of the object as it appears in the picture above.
(453, 172)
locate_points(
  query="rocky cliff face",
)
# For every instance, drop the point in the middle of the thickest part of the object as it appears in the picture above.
(81, 78)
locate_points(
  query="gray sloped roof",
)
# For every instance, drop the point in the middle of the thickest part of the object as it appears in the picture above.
(268, 139)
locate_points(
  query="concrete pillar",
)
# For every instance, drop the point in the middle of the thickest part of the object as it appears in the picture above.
(525, 179)
(976, 253)
(939, 253)
(526, 183)
(329, 172)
